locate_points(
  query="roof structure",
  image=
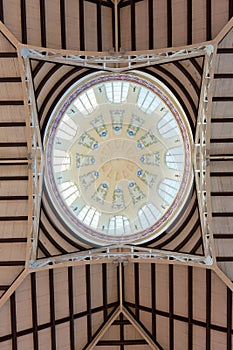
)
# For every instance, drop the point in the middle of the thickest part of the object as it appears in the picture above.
(58, 291)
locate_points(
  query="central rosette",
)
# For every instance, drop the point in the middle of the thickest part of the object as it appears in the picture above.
(115, 180)
(117, 169)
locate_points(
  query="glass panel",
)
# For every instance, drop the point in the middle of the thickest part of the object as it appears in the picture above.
(175, 158)
(168, 189)
(167, 126)
(117, 91)
(83, 212)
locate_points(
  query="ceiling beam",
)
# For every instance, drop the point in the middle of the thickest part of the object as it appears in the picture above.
(133, 25)
(34, 311)
(104, 329)
(99, 25)
(23, 21)
(1, 11)
(140, 330)
(63, 23)
(208, 20)
(71, 307)
(81, 25)
(13, 321)
(136, 290)
(151, 23)
(208, 309)
(105, 290)
(42, 23)
(171, 308)
(229, 319)
(88, 303)
(52, 310)
(190, 307)
(169, 23)
(110, 61)
(153, 299)
(189, 22)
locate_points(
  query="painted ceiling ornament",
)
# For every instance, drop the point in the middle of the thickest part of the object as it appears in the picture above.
(151, 158)
(101, 181)
(88, 141)
(134, 125)
(146, 177)
(118, 199)
(101, 193)
(135, 192)
(87, 179)
(117, 120)
(147, 140)
(99, 126)
(84, 160)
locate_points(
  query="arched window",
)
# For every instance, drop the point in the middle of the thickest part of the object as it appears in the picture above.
(174, 158)
(89, 216)
(148, 214)
(61, 160)
(167, 126)
(168, 189)
(117, 91)
(147, 100)
(86, 103)
(67, 128)
(119, 225)
(69, 192)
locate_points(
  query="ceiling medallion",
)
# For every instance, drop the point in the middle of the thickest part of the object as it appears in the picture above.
(118, 158)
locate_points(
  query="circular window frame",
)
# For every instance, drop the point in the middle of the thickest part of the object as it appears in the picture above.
(78, 228)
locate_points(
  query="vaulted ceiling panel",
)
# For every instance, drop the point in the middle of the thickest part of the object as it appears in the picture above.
(80, 332)
(221, 155)
(162, 331)
(13, 168)
(64, 304)
(90, 12)
(171, 23)
(223, 12)
(140, 11)
(68, 25)
(61, 24)
(183, 306)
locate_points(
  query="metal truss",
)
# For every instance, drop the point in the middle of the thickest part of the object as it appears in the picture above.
(112, 61)
(201, 153)
(37, 159)
(120, 62)
(116, 253)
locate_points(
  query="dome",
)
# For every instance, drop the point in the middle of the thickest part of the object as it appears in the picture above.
(118, 158)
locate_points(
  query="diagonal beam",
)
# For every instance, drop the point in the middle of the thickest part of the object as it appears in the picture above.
(104, 329)
(114, 316)
(12, 39)
(140, 330)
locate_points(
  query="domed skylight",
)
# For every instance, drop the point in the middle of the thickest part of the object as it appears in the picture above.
(118, 158)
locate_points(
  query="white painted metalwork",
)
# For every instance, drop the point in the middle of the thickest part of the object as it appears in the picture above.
(201, 153)
(37, 158)
(115, 253)
(116, 61)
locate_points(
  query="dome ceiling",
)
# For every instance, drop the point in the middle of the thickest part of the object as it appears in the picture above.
(118, 151)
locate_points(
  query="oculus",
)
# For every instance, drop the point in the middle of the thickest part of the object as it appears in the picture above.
(118, 158)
